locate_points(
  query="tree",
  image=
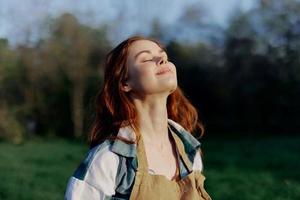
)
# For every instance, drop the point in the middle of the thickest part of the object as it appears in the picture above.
(76, 51)
(10, 128)
(262, 61)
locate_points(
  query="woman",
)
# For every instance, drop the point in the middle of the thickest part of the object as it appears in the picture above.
(141, 142)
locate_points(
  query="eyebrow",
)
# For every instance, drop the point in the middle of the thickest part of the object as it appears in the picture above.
(147, 51)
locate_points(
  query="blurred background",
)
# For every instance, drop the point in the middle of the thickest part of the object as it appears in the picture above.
(238, 61)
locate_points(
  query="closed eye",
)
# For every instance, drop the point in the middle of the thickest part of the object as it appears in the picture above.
(152, 60)
(148, 60)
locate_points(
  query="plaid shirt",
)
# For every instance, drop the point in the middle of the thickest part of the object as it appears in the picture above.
(108, 170)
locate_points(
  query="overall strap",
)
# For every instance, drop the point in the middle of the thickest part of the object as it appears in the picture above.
(141, 156)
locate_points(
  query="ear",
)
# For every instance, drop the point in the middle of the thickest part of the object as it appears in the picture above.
(125, 86)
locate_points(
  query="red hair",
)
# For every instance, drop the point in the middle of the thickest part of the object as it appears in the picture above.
(114, 108)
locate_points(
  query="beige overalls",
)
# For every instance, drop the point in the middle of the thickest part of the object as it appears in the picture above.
(157, 187)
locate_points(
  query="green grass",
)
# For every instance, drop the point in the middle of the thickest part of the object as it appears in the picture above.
(253, 168)
(235, 169)
(38, 169)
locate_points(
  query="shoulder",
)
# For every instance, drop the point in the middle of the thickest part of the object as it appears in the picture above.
(96, 174)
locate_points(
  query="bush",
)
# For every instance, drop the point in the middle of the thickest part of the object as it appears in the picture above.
(10, 128)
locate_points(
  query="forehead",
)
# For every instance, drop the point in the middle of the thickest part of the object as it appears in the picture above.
(141, 45)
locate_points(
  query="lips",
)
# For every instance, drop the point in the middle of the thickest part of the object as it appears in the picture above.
(163, 70)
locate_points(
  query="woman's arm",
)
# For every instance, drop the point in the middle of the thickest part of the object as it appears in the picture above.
(95, 178)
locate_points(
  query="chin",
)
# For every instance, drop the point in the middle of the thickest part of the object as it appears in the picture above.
(173, 89)
(169, 88)
(164, 89)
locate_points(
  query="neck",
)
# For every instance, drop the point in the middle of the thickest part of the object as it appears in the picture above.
(153, 118)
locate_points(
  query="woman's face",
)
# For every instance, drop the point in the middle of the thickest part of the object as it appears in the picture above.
(149, 71)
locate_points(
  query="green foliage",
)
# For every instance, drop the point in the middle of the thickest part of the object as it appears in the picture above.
(262, 67)
(245, 78)
(51, 78)
(10, 128)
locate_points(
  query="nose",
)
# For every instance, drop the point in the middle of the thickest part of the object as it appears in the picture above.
(162, 61)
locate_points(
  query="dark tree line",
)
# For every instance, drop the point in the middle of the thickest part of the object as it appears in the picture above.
(247, 81)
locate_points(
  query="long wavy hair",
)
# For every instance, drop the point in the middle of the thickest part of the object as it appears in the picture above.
(114, 108)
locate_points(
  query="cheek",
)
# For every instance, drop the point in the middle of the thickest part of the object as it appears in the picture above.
(173, 67)
(144, 71)
(140, 74)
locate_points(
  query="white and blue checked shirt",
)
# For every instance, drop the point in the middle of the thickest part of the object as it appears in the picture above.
(108, 170)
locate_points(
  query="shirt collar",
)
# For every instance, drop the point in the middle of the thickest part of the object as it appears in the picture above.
(190, 143)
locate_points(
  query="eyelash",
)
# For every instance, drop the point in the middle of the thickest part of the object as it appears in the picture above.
(152, 59)
(147, 60)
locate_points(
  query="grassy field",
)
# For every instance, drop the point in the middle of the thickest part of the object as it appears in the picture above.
(236, 169)
(253, 168)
